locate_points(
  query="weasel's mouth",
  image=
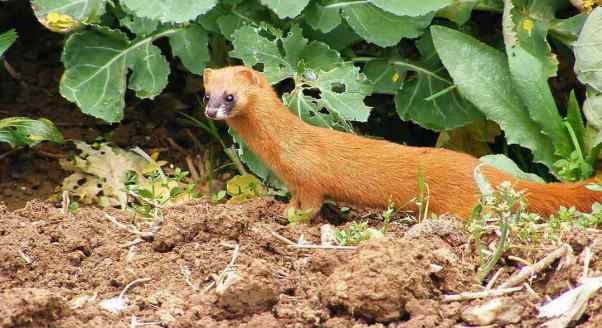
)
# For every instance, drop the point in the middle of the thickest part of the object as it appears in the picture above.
(217, 113)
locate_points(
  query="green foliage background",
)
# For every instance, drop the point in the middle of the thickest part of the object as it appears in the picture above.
(443, 67)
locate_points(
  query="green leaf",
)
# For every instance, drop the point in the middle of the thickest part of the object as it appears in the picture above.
(588, 51)
(411, 8)
(458, 11)
(485, 81)
(382, 28)
(573, 117)
(284, 8)
(444, 112)
(321, 18)
(96, 65)
(531, 63)
(191, 45)
(340, 38)
(253, 48)
(139, 25)
(342, 91)
(385, 76)
(23, 131)
(505, 164)
(567, 30)
(6, 39)
(81, 10)
(169, 11)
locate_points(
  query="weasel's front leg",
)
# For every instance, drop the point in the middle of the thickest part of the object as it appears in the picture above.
(306, 204)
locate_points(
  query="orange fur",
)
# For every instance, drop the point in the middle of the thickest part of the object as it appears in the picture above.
(318, 163)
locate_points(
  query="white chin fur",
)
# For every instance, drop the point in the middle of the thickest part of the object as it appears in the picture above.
(222, 114)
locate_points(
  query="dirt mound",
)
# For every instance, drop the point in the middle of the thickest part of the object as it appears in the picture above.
(211, 265)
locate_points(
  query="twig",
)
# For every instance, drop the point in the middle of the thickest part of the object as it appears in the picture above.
(150, 201)
(494, 278)
(143, 235)
(194, 174)
(133, 243)
(527, 271)
(228, 276)
(587, 257)
(187, 274)
(25, 257)
(11, 71)
(128, 286)
(335, 247)
(518, 259)
(282, 239)
(529, 289)
(482, 294)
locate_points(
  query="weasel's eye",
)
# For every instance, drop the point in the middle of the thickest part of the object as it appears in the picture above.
(206, 98)
(229, 98)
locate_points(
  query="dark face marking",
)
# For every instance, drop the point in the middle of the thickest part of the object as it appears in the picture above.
(219, 107)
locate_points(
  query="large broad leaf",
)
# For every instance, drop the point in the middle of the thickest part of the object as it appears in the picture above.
(418, 101)
(531, 64)
(96, 66)
(191, 46)
(411, 8)
(6, 39)
(588, 51)
(485, 80)
(505, 164)
(284, 8)
(458, 11)
(382, 28)
(23, 131)
(169, 11)
(567, 30)
(339, 38)
(322, 18)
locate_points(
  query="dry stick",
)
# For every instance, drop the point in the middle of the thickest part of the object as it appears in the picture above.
(482, 294)
(494, 278)
(341, 248)
(587, 257)
(292, 244)
(194, 174)
(527, 271)
(128, 286)
(143, 235)
(220, 279)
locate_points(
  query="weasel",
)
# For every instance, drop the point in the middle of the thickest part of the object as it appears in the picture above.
(320, 163)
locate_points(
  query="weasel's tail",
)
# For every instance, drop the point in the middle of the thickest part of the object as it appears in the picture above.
(546, 199)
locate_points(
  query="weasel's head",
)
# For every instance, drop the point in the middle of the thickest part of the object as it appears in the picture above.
(228, 90)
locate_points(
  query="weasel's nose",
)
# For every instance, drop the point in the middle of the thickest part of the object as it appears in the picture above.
(210, 112)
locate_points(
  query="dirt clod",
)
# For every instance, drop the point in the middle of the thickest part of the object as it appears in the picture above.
(30, 307)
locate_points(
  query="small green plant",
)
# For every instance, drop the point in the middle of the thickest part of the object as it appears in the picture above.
(158, 190)
(387, 215)
(506, 207)
(356, 233)
(296, 216)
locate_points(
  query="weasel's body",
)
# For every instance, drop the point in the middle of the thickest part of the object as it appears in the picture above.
(318, 163)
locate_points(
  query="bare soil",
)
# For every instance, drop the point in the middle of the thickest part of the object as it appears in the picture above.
(57, 269)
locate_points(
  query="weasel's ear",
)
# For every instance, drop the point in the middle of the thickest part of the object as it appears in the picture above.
(206, 73)
(252, 77)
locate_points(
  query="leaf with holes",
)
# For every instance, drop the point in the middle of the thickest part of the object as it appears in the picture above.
(23, 131)
(169, 11)
(96, 65)
(430, 98)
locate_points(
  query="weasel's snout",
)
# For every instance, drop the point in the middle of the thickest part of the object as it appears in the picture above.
(211, 112)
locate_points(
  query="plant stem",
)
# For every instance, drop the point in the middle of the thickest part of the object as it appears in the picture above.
(440, 93)
(408, 65)
(484, 271)
(345, 4)
(575, 140)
